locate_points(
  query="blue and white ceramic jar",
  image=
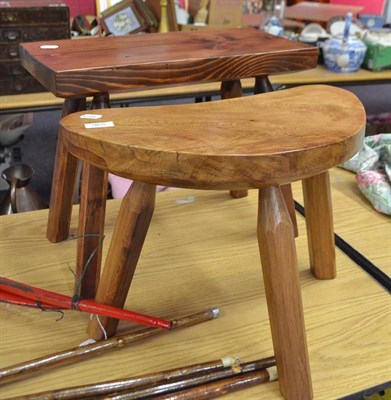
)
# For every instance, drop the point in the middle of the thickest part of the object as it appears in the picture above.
(344, 53)
(343, 56)
(274, 27)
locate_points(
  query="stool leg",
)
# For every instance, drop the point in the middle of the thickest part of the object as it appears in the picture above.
(282, 286)
(91, 228)
(290, 205)
(320, 227)
(91, 218)
(230, 90)
(64, 174)
(128, 238)
(263, 85)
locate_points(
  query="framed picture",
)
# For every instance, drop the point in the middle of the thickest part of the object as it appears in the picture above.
(123, 18)
(102, 5)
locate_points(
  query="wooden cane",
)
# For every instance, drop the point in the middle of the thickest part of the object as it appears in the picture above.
(197, 381)
(219, 388)
(21, 371)
(156, 383)
(105, 388)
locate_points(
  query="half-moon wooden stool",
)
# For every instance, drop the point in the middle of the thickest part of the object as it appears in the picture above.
(261, 141)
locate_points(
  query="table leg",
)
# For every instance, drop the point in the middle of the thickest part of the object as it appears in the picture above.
(230, 90)
(128, 238)
(91, 220)
(263, 85)
(283, 294)
(65, 167)
(320, 226)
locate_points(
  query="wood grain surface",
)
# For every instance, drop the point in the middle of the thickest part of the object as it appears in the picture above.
(317, 75)
(200, 254)
(93, 194)
(283, 294)
(242, 143)
(319, 223)
(124, 252)
(145, 61)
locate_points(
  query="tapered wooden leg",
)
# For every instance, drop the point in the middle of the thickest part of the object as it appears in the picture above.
(320, 227)
(290, 205)
(283, 294)
(263, 85)
(91, 219)
(230, 90)
(128, 238)
(91, 230)
(65, 166)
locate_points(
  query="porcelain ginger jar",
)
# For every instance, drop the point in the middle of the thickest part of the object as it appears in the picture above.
(344, 54)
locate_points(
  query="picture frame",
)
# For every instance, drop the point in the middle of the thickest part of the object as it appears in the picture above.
(123, 18)
(102, 5)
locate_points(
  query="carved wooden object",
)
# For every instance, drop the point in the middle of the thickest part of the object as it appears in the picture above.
(261, 141)
(132, 62)
(91, 219)
(143, 61)
(282, 286)
(241, 143)
(321, 233)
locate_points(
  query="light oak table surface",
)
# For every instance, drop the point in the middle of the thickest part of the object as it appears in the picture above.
(200, 254)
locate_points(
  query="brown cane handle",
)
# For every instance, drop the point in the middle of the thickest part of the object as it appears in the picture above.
(14, 183)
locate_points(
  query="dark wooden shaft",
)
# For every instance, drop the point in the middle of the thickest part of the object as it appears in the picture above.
(262, 85)
(91, 219)
(128, 238)
(25, 369)
(65, 167)
(219, 388)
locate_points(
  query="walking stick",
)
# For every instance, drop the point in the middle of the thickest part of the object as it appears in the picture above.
(220, 388)
(25, 369)
(196, 385)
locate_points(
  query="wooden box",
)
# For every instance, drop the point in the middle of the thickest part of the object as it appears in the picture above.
(27, 24)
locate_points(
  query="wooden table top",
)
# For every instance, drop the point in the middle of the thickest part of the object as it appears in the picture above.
(202, 252)
(78, 68)
(322, 12)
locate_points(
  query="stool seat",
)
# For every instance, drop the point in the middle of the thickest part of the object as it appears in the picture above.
(240, 143)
